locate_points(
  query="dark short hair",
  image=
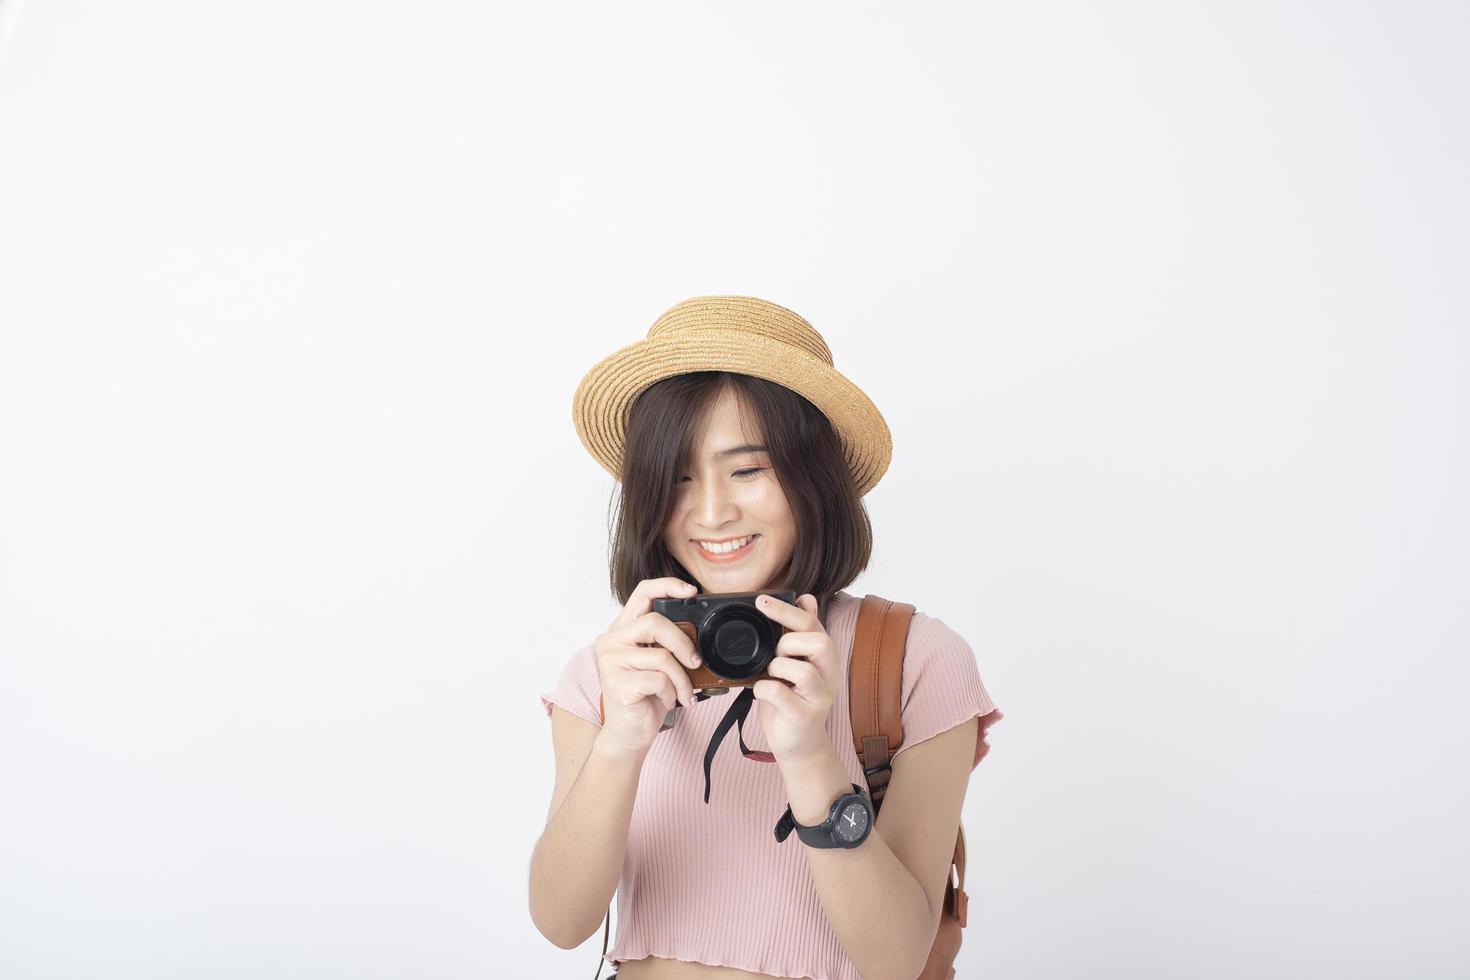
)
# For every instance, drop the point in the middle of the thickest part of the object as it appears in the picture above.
(834, 538)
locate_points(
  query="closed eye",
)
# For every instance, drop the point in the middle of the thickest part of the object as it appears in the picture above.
(744, 472)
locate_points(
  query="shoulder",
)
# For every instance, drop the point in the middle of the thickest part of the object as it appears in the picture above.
(585, 655)
(942, 686)
(931, 632)
(580, 661)
(935, 647)
(926, 632)
(577, 687)
(582, 665)
(935, 654)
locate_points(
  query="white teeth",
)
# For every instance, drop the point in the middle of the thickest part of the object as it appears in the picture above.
(727, 547)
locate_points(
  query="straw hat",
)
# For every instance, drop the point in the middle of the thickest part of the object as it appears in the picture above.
(744, 335)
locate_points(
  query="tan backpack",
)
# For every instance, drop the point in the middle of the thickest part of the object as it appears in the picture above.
(875, 705)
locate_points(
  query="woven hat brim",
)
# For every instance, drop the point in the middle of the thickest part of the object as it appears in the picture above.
(604, 399)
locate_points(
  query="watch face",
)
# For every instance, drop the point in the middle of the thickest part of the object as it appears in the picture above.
(852, 822)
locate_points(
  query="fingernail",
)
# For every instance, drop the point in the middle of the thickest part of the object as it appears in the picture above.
(696, 661)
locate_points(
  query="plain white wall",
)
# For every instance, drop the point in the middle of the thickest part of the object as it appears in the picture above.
(1165, 305)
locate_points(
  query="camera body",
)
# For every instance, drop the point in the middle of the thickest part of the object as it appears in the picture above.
(735, 640)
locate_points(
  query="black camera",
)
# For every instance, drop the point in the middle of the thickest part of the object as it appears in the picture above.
(735, 640)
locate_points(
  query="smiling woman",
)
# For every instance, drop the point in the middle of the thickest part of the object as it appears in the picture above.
(742, 457)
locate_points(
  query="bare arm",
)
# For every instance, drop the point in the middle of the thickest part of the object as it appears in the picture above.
(905, 858)
(578, 859)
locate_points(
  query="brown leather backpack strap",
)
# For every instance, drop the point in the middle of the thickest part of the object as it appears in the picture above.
(875, 687)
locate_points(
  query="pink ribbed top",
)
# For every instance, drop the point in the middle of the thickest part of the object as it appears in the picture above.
(707, 882)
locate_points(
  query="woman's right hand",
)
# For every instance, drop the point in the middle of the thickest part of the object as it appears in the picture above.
(640, 665)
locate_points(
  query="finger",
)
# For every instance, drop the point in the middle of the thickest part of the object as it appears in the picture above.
(810, 648)
(649, 589)
(805, 678)
(628, 653)
(775, 693)
(655, 628)
(792, 617)
(645, 658)
(642, 684)
(667, 696)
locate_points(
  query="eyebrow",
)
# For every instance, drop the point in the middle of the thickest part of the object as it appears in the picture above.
(736, 450)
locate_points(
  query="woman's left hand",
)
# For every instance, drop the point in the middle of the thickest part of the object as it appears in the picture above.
(796, 728)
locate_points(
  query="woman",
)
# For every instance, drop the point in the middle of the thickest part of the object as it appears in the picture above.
(743, 456)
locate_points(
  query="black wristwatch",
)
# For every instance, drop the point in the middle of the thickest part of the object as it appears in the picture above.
(847, 825)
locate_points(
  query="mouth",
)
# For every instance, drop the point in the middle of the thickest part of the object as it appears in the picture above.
(726, 557)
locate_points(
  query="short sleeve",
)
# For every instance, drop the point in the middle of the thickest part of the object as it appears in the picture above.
(578, 689)
(942, 686)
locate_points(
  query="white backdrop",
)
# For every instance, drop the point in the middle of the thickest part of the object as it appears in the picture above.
(1165, 304)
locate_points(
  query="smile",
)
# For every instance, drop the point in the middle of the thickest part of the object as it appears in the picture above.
(720, 554)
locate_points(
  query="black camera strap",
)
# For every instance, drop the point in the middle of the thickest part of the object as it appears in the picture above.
(735, 716)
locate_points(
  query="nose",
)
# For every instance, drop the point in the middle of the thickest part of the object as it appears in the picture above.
(714, 508)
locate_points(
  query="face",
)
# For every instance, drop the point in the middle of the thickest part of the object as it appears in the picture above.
(727, 495)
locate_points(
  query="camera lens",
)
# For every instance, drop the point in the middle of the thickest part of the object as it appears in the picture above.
(737, 641)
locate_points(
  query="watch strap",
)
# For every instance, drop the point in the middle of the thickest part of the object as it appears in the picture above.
(816, 836)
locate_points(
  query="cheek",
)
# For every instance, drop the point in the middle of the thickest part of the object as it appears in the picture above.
(771, 506)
